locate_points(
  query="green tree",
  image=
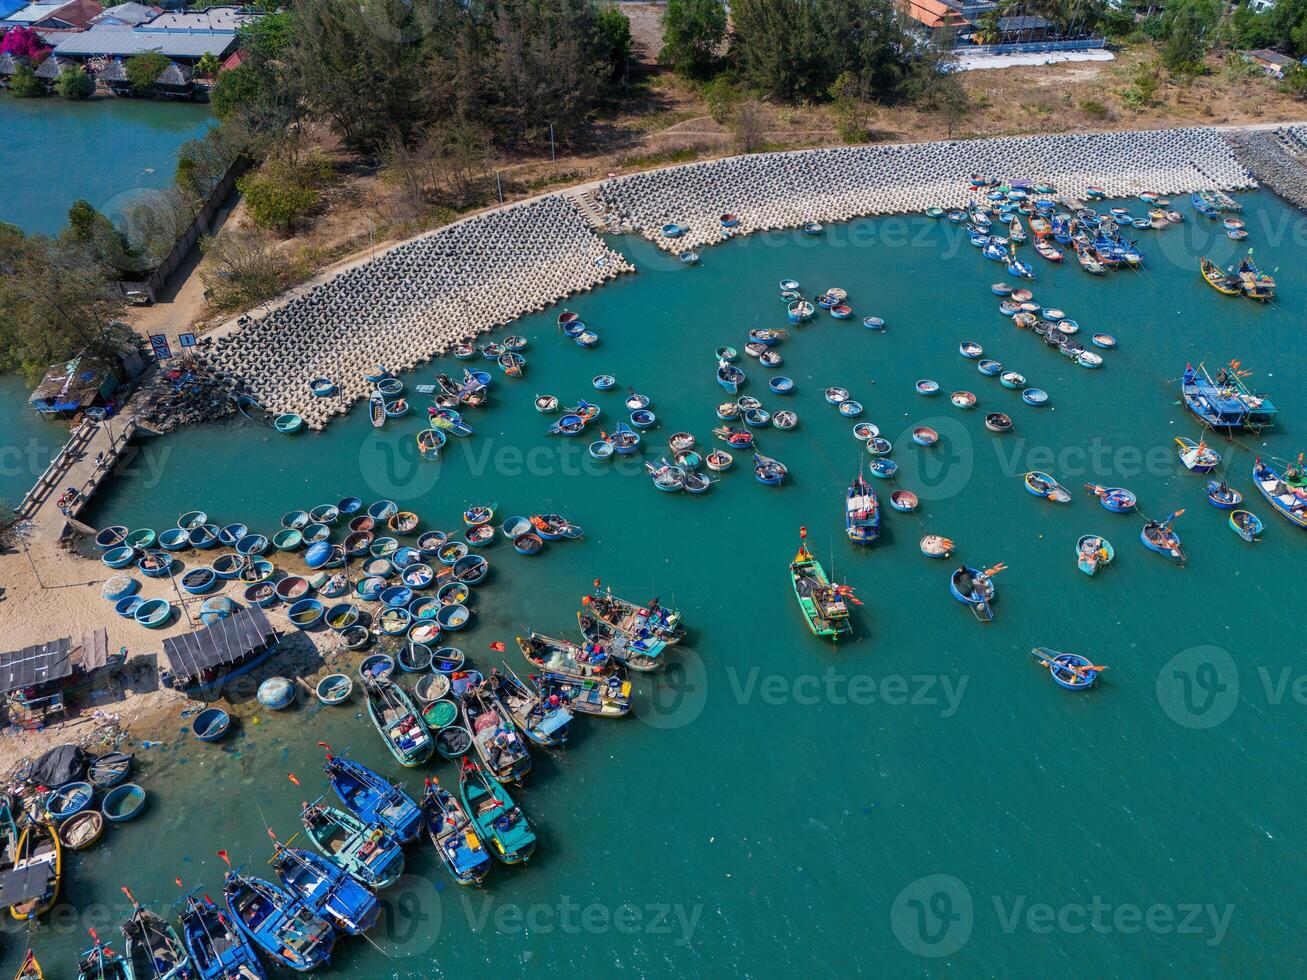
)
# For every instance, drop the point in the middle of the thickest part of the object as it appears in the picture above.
(612, 40)
(144, 69)
(74, 83)
(1190, 32)
(208, 65)
(25, 85)
(278, 194)
(693, 31)
(848, 109)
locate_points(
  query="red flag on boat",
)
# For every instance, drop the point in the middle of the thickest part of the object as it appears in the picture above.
(225, 860)
(497, 646)
(291, 777)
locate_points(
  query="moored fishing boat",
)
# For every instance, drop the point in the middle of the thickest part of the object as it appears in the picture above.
(497, 818)
(1118, 500)
(1225, 283)
(33, 879)
(561, 657)
(1285, 489)
(821, 602)
(397, 721)
(935, 546)
(975, 589)
(326, 888)
(1197, 456)
(1257, 285)
(903, 500)
(364, 850)
(1042, 484)
(637, 650)
(373, 798)
(767, 471)
(1222, 496)
(544, 720)
(861, 512)
(450, 830)
(217, 948)
(152, 946)
(1093, 551)
(102, 963)
(280, 924)
(1246, 524)
(1225, 402)
(1161, 537)
(501, 750)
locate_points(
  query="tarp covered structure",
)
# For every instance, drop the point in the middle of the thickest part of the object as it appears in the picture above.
(73, 385)
(36, 665)
(227, 641)
(62, 764)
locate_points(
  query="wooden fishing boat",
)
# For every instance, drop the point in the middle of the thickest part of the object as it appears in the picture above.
(821, 602)
(975, 589)
(494, 736)
(397, 721)
(1093, 551)
(861, 512)
(544, 720)
(280, 924)
(1284, 489)
(654, 619)
(102, 963)
(450, 830)
(638, 650)
(373, 798)
(1042, 485)
(1069, 670)
(496, 818)
(153, 948)
(1246, 524)
(364, 850)
(1118, 500)
(561, 657)
(1160, 536)
(1257, 285)
(37, 871)
(30, 969)
(1197, 457)
(1226, 402)
(82, 830)
(327, 889)
(1223, 282)
(217, 948)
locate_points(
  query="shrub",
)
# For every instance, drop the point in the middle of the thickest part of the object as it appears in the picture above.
(721, 96)
(74, 83)
(143, 70)
(25, 85)
(1094, 109)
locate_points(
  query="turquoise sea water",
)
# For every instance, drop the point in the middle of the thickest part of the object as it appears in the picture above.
(27, 441)
(104, 151)
(921, 800)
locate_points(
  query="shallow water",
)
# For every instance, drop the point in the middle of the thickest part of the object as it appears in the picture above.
(27, 441)
(779, 804)
(106, 151)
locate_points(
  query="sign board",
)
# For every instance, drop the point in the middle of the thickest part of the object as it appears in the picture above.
(186, 339)
(159, 344)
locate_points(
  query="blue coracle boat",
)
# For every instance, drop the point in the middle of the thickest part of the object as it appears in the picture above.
(328, 889)
(218, 949)
(280, 924)
(372, 798)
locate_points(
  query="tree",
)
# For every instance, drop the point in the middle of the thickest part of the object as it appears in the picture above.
(208, 66)
(612, 41)
(241, 268)
(24, 83)
(693, 31)
(750, 126)
(74, 83)
(144, 69)
(849, 112)
(278, 193)
(23, 42)
(1190, 29)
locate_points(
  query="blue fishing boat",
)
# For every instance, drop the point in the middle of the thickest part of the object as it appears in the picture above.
(327, 889)
(174, 539)
(1093, 551)
(730, 376)
(624, 440)
(68, 800)
(767, 471)
(451, 832)
(1197, 456)
(643, 419)
(495, 816)
(1042, 484)
(122, 803)
(861, 512)
(152, 947)
(1161, 537)
(211, 724)
(503, 753)
(218, 949)
(975, 589)
(288, 423)
(1118, 500)
(280, 924)
(1069, 670)
(1226, 402)
(373, 798)
(1222, 496)
(1203, 206)
(1285, 489)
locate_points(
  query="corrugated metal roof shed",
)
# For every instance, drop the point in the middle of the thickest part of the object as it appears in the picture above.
(120, 42)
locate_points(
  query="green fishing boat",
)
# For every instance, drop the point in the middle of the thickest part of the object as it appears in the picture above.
(494, 814)
(821, 603)
(398, 722)
(364, 850)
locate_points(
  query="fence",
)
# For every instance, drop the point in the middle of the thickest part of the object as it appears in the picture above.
(202, 224)
(1036, 47)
